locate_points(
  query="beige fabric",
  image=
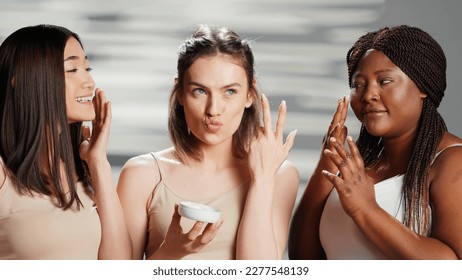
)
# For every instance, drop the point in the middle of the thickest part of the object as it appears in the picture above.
(223, 246)
(34, 228)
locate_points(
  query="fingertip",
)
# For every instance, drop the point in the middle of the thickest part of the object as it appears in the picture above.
(294, 132)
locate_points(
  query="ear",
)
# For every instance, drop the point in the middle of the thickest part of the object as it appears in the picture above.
(422, 95)
(251, 94)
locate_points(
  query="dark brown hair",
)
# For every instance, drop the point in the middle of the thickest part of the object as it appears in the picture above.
(33, 118)
(209, 41)
(422, 59)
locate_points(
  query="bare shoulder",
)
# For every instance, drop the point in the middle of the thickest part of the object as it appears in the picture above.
(142, 170)
(446, 169)
(146, 162)
(288, 168)
(288, 175)
(449, 153)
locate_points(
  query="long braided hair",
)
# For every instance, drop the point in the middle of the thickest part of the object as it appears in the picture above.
(422, 59)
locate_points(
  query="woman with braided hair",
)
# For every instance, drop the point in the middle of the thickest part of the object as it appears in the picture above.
(396, 192)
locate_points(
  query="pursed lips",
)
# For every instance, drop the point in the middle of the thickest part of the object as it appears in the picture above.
(213, 124)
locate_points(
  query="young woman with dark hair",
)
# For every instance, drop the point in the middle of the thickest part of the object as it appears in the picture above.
(57, 198)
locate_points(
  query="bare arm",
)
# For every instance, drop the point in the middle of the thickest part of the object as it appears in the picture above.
(304, 242)
(136, 184)
(263, 229)
(115, 240)
(390, 236)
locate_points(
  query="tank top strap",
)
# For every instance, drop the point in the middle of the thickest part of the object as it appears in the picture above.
(439, 153)
(159, 170)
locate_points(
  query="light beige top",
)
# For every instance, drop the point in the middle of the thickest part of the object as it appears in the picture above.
(34, 228)
(160, 211)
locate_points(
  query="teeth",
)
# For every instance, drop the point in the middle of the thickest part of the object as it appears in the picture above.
(84, 99)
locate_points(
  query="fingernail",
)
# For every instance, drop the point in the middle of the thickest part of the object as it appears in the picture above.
(283, 103)
(349, 138)
(332, 139)
(218, 225)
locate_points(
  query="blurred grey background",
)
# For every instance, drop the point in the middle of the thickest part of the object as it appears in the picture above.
(299, 47)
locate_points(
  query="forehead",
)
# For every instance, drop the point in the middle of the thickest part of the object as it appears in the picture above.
(73, 48)
(376, 57)
(220, 66)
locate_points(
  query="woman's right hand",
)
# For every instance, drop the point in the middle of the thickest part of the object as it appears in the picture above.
(338, 130)
(178, 244)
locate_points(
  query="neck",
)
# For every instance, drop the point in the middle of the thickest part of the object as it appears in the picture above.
(397, 153)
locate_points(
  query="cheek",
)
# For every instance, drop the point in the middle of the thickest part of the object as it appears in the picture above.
(356, 106)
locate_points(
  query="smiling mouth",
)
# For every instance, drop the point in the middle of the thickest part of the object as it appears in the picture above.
(84, 99)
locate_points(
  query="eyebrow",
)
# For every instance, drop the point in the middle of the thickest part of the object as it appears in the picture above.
(223, 87)
(359, 74)
(74, 57)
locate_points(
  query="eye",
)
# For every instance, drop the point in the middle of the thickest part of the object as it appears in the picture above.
(385, 81)
(74, 70)
(356, 84)
(199, 91)
(89, 69)
(230, 91)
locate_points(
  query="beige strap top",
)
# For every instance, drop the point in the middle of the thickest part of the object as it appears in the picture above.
(160, 211)
(34, 228)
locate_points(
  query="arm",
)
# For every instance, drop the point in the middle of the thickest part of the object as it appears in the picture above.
(390, 236)
(115, 240)
(136, 184)
(262, 232)
(304, 242)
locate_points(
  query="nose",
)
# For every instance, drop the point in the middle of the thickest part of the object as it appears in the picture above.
(371, 93)
(88, 81)
(214, 105)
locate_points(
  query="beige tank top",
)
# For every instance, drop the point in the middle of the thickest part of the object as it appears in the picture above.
(160, 211)
(33, 228)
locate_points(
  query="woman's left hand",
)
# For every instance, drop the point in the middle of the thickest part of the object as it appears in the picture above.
(94, 144)
(354, 187)
(267, 150)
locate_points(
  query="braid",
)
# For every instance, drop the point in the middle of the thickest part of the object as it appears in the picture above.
(422, 59)
(416, 188)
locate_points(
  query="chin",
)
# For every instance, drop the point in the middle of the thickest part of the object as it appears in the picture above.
(82, 118)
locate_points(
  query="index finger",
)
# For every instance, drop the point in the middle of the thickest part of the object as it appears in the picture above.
(341, 112)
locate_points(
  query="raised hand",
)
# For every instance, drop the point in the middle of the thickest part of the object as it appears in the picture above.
(337, 129)
(354, 187)
(94, 144)
(178, 244)
(267, 150)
